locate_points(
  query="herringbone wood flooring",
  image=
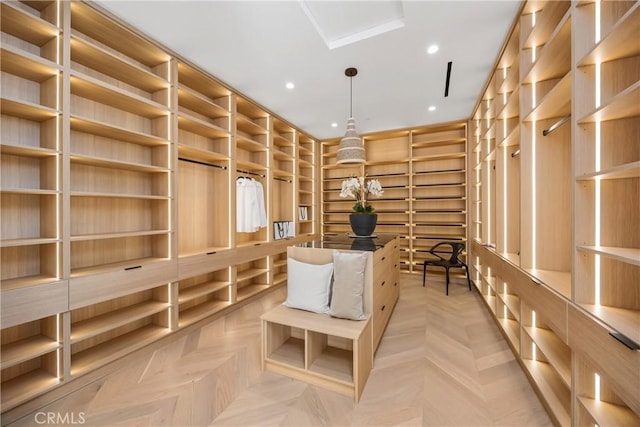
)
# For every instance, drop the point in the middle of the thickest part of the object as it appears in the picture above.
(442, 361)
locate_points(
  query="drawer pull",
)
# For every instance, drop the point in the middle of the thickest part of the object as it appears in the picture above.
(133, 268)
(257, 244)
(395, 284)
(383, 282)
(628, 342)
(383, 258)
(212, 252)
(382, 309)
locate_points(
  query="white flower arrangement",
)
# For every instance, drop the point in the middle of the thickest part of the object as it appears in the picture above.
(360, 190)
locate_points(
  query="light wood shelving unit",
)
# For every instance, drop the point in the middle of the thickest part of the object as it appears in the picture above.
(554, 251)
(118, 161)
(422, 172)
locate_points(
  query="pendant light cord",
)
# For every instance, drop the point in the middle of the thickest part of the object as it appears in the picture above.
(350, 97)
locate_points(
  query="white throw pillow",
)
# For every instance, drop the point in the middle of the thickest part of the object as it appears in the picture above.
(348, 285)
(308, 286)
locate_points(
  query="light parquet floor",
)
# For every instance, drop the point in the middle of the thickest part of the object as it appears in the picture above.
(442, 362)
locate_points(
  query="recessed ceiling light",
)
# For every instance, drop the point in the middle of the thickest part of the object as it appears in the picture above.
(432, 49)
(334, 125)
(432, 108)
(290, 85)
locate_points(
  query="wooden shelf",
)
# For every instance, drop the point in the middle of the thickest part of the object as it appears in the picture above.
(93, 56)
(202, 289)
(627, 255)
(104, 93)
(334, 363)
(101, 354)
(624, 104)
(250, 273)
(439, 143)
(250, 290)
(556, 394)
(92, 23)
(117, 235)
(198, 126)
(556, 103)
(554, 59)
(512, 302)
(115, 164)
(620, 43)
(95, 127)
(200, 83)
(114, 319)
(447, 156)
(246, 125)
(26, 26)
(557, 352)
(629, 170)
(27, 65)
(201, 311)
(510, 327)
(27, 386)
(27, 150)
(26, 110)
(279, 278)
(290, 353)
(202, 104)
(201, 155)
(8, 243)
(118, 195)
(27, 349)
(249, 144)
(547, 21)
(607, 414)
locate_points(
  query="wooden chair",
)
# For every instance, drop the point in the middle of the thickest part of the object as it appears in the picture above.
(452, 262)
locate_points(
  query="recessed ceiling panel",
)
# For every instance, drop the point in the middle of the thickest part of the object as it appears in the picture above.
(340, 23)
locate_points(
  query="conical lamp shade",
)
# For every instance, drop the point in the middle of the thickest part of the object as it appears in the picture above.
(351, 148)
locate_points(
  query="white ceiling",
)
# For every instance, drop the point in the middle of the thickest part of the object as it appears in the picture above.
(256, 47)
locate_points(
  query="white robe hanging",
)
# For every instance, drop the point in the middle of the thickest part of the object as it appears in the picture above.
(251, 213)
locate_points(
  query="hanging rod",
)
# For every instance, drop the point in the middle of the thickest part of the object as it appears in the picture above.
(556, 125)
(277, 178)
(198, 162)
(250, 173)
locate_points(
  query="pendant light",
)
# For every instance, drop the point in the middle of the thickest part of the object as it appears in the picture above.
(351, 148)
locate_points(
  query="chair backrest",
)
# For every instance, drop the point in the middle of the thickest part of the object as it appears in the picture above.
(456, 250)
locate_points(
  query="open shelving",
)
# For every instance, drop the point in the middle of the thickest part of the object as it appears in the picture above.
(31, 359)
(330, 352)
(202, 295)
(118, 163)
(101, 332)
(251, 278)
(554, 228)
(423, 176)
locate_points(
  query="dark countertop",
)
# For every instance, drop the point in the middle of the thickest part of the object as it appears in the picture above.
(343, 241)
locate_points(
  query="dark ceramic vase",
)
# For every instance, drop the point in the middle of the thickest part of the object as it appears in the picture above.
(363, 224)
